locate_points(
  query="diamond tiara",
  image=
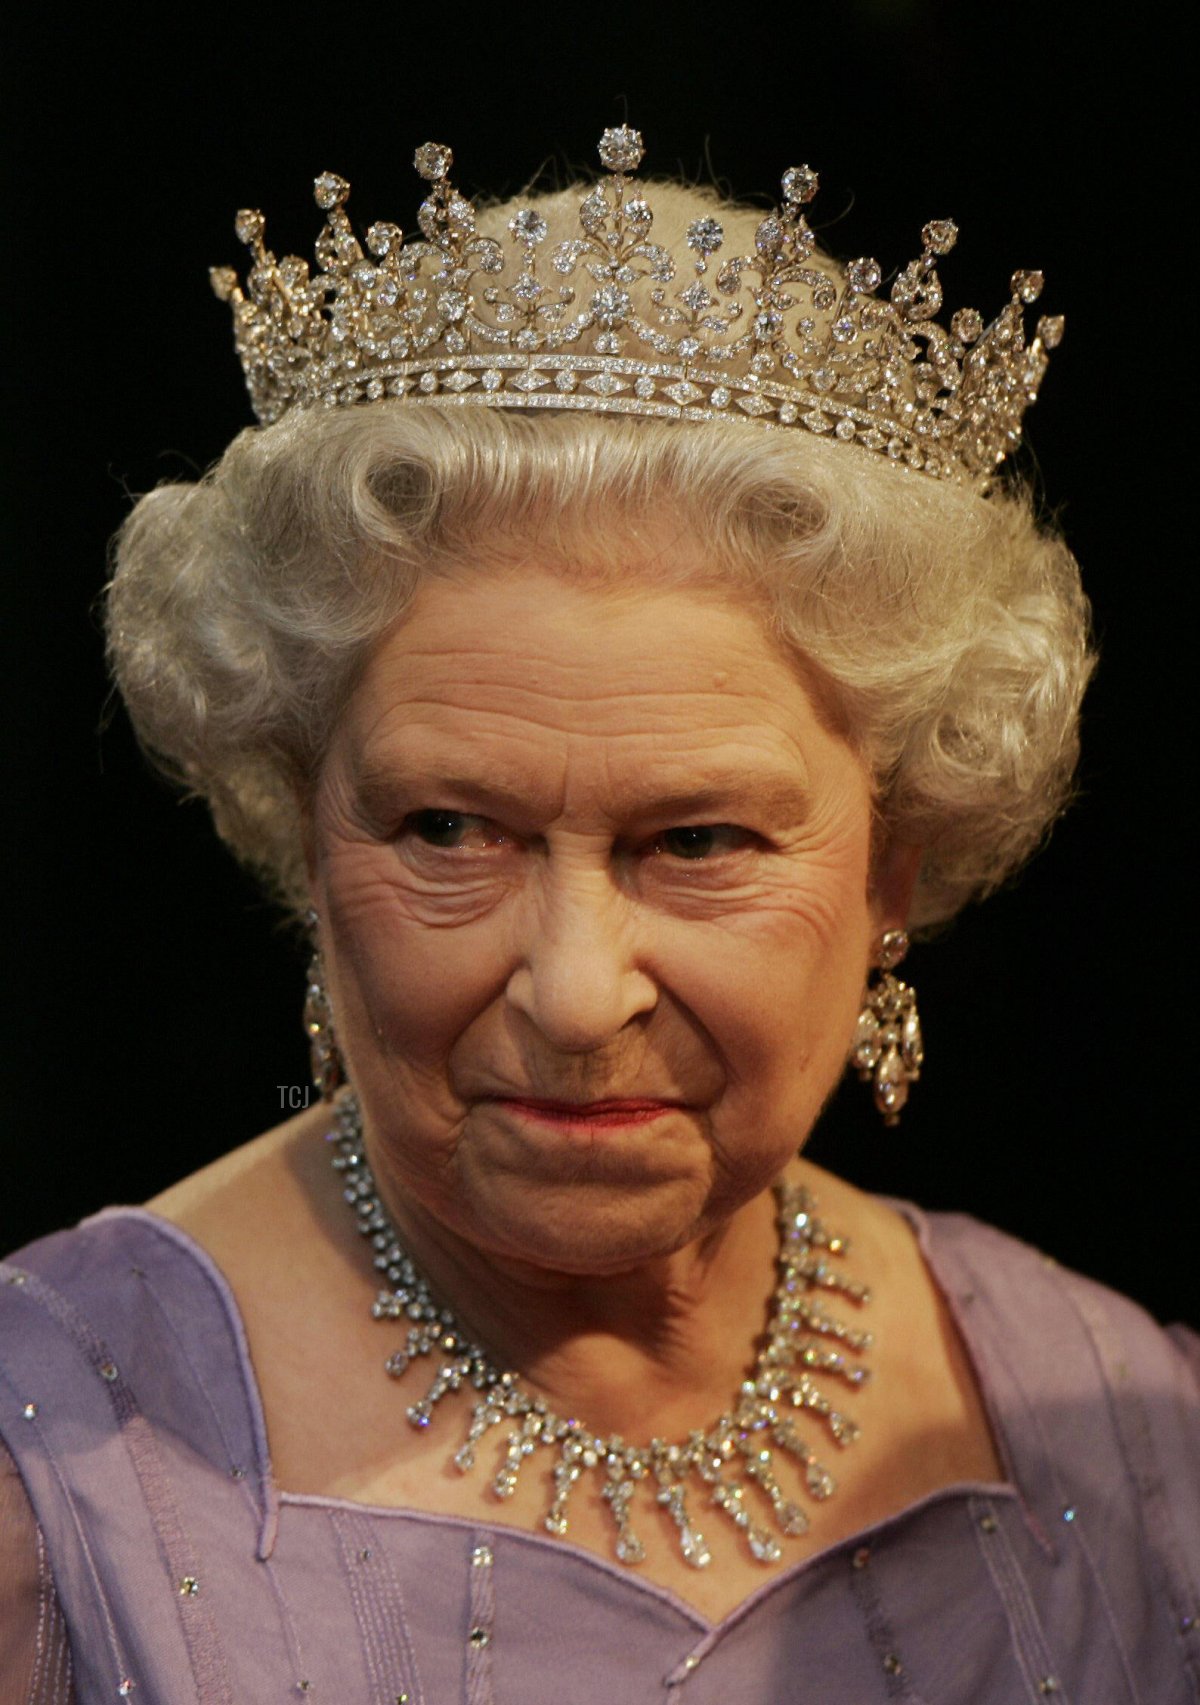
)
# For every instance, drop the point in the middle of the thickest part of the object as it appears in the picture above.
(611, 321)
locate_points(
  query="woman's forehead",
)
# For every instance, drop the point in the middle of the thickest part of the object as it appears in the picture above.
(536, 627)
(507, 683)
(532, 647)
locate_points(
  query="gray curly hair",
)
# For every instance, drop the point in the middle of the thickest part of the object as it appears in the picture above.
(949, 628)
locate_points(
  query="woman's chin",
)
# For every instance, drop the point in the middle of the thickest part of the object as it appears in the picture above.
(587, 1226)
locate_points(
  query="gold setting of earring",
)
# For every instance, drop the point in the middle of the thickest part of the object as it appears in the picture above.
(325, 1061)
(888, 1051)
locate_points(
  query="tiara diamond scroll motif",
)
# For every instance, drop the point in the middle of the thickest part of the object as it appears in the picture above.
(610, 320)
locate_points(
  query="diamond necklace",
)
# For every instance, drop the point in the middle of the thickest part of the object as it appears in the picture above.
(735, 1453)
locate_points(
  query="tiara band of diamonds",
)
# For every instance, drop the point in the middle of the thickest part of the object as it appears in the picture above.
(601, 322)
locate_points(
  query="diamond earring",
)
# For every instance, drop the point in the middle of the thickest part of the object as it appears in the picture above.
(325, 1061)
(887, 1042)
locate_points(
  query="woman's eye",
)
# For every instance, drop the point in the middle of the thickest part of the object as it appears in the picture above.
(695, 841)
(450, 828)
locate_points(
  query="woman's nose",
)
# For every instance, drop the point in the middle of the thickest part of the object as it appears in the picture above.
(578, 979)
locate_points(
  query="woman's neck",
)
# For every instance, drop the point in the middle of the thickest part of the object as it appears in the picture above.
(673, 1337)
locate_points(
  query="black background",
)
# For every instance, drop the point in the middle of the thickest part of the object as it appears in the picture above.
(153, 1003)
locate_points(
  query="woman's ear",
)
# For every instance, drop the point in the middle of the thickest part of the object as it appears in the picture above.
(894, 880)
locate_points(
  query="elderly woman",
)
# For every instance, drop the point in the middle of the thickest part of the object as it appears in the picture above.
(611, 642)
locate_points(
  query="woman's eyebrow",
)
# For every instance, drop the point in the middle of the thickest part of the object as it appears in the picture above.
(378, 785)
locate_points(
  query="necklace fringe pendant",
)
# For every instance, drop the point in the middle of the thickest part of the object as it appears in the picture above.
(734, 1462)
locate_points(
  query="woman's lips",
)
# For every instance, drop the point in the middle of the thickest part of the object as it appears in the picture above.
(589, 1114)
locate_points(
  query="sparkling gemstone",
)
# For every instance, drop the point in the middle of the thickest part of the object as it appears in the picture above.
(621, 149)
(565, 380)
(800, 184)
(768, 238)
(866, 1040)
(695, 297)
(329, 191)
(479, 1637)
(720, 396)
(967, 325)
(816, 421)
(754, 404)
(453, 304)
(481, 1557)
(864, 276)
(125, 1688)
(820, 1482)
(645, 387)
(529, 381)
(763, 1545)
(891, 1070)
(610, 304)
(684, 392)
(694, 1547)
(767, 324)
(528, 226)
(382, 238)
(108, 1371)
(844, 329)
(460, 215)
(705, 235)
(428, 383)
(428, 215)
(1050, 329)
(224, 282)
(892, 949)
(29, 1411)
(792, 1519)
(249, 225)
(788, 414)
(492, 379)
(689, 346)
(605, 385)
(630, 1549)
(1027, 285)
(940, 235)
(458, 381)
(638, 212)
(189, 1586)
(432, 161)
(844, 430)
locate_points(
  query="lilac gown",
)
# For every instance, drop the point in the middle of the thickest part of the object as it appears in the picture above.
(170, 1566)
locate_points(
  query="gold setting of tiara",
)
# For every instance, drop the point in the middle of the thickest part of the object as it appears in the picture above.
(611, 321)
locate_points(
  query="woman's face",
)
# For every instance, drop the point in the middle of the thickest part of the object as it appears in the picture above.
(577, 844)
